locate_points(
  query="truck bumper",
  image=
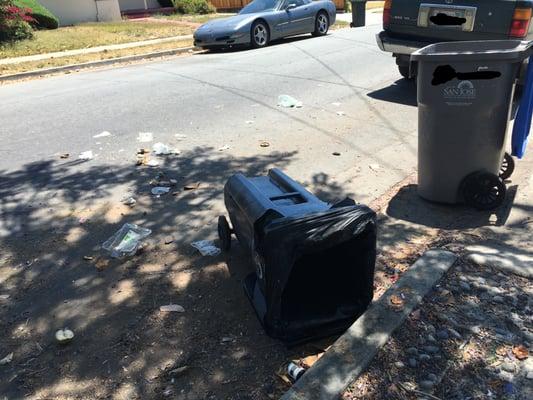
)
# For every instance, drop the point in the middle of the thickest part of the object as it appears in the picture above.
(398, 46)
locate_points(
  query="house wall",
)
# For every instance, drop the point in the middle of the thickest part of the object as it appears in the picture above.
(72, 11)
(126, 5)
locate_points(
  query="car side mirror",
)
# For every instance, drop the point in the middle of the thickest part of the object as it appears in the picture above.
(290, 7)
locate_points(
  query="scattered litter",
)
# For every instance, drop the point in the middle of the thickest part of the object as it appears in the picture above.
(82, 220)
(172, 308)
(374, 167)
(249, 122)
(520, 352)
(206, 248)
(179, 136)
(341, 113)
(7, 359)
(88, 258)
(336, 153)
(396, 300)
(152, 163)
(295, 371)
(225, 147)
(336, 104)
(145, 137)
(64, 335)
(309, 361)
(65, 155)
(86, 155)
(161, 149)
(4, 296)
(287, 101)
(227, 339)
(264, 144)
(103, 134)
(126, 240)
(169, 240)
(159, 190)
(130, 201)
(179, 370)
(191, 186)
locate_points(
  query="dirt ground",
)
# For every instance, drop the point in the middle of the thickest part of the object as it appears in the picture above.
(54, 275)
(469, 338)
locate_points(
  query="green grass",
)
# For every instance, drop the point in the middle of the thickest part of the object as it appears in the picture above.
(92, 35)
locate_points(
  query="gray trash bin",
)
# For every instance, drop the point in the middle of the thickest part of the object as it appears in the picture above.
(358, 13)
(465, 93)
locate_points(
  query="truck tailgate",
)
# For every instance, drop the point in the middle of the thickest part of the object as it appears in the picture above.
(444, 20)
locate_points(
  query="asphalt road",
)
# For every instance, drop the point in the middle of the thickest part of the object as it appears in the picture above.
(55, 213)
(354, 103)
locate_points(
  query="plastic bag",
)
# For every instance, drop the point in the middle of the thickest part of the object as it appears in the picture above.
(161, 149)
(284, 100)
(126, 240)
(206, 248)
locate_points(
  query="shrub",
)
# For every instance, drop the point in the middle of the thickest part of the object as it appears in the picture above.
(193, 6)
(44, 18)
(14, 22)
(165, 3)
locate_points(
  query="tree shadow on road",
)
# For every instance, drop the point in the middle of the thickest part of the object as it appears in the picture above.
(55, 216)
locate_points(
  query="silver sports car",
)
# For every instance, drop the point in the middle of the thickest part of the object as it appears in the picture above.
(264, 20)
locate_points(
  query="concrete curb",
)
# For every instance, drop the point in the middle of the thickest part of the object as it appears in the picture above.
(91, 64)
(349, 356)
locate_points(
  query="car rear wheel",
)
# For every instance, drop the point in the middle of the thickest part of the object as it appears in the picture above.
(321, 24)
(260, 34)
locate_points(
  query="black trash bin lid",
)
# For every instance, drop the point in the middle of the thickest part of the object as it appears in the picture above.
(487, 50)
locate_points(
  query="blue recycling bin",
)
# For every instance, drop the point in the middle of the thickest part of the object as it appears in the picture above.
(522, 124)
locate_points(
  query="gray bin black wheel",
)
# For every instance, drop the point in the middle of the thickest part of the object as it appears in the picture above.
(507, 167)
(224, 233)
(321, 24)
(404, 71)
(483, 191)
(260, 34)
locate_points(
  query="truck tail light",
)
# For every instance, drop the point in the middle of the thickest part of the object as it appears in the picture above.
(520, 23)
(386, 13)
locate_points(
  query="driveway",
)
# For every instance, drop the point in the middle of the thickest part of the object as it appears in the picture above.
(216, 108)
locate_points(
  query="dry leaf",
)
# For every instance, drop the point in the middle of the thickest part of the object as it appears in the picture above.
(501, 351)
(101, 264)
(520, 352)
(396, 300)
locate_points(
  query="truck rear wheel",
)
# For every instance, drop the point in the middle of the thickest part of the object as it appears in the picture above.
(404, 71)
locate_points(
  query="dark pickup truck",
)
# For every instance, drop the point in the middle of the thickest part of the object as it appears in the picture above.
(409, 25)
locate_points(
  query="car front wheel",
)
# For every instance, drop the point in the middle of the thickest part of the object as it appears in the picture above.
(260, 34)
(321, 24)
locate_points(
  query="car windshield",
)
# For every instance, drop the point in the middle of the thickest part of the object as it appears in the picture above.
(260, 5)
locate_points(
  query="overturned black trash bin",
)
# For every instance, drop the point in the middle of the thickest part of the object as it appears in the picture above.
(314, 262)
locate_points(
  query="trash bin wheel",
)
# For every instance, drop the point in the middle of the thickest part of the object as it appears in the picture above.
(507, 167)
(224, 233)
(483, 191)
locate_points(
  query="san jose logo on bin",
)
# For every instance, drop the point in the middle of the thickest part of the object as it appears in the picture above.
(464, 90)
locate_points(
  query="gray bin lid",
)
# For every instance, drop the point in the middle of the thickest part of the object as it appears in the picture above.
(495, 50)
